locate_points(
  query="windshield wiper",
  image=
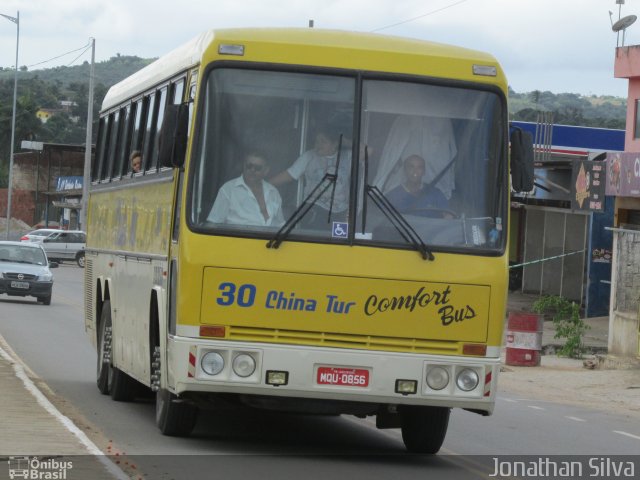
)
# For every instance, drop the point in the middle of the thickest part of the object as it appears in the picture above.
(400, 223)
(308, 202)
(335, 180)
(302, 210)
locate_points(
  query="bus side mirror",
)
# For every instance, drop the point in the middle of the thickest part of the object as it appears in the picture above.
(521, 161)
(173, 136)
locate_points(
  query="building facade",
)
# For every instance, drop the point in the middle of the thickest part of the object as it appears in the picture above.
(38, 196)
(564, 245)
(623, 182)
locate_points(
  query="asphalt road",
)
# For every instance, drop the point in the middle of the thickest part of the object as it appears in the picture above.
(236, 442)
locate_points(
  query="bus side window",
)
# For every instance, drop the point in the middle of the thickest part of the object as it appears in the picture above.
(98, 159)
(123, 145)
(161, 99)
(107, 169)
(192, 96)
(106, 147)
(177, 90)
(136, 129)
(148, 120)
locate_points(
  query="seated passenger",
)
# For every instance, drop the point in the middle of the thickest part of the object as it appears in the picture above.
(249, 199)
(414, 196)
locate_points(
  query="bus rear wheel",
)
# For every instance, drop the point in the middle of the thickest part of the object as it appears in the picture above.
(174, 417)
(424, 428)
(104, 349)
(121, 386)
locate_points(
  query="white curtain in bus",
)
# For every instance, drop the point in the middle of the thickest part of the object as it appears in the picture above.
(431, 138)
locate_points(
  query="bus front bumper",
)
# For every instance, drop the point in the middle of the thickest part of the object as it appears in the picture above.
(332, 374)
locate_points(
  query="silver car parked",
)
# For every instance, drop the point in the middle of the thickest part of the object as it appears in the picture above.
(66, 245)
(24, 271)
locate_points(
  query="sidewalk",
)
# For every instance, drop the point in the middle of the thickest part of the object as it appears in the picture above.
(35, 436)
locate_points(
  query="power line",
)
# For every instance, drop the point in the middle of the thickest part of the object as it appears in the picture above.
(85, 47)
(419, 16)
(83, 52)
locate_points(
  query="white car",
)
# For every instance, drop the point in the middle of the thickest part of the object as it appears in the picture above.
(24, 271)
(65, 245)
(38, 235)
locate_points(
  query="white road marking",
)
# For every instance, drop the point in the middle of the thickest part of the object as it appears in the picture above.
(535, 407)
(575, 419)
(627, 434)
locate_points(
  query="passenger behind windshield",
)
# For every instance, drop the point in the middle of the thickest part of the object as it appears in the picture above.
(312, 165)
(415, 197)
(249, 199)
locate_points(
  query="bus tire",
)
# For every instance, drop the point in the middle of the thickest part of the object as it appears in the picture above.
(121, 386)
(424, 428)
(174, 418)
(104, 349)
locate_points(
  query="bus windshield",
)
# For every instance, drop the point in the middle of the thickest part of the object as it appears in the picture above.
(272, 145)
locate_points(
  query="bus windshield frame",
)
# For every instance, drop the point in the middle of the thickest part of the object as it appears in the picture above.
(435, 148)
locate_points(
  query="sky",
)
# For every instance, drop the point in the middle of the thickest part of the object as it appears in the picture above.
(564, 46)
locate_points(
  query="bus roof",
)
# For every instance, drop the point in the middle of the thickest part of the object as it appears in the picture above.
(331, 48)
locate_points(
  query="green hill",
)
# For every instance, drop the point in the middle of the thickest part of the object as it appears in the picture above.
(569, 108)
(107, 73)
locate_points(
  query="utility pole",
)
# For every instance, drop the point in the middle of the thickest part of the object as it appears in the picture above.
(88, 143)
(15, 20)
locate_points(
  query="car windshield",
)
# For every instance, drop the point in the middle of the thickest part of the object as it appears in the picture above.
(275, 149)
(20, 254)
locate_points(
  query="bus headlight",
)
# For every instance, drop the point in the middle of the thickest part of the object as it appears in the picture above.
(437, 378)
(212, 363)
(244, 365)
(467, 380)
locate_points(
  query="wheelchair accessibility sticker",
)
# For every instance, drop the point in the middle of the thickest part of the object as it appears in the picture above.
(340, 230)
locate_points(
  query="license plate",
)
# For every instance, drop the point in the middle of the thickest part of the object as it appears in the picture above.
(349, 377)
(20, 285)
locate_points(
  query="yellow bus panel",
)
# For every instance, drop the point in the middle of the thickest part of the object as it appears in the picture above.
(344, 305)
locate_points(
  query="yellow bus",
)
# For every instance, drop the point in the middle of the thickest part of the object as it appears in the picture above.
(319, 225)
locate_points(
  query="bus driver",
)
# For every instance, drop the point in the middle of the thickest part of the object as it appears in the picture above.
(414, 196)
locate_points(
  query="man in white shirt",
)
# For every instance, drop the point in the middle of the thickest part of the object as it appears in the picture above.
(313, 165)
(249, 199)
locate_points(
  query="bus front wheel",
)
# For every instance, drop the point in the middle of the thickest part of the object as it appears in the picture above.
(174, 417)
(424, 428)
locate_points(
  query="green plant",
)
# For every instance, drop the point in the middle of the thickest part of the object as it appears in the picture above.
(567, 321)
